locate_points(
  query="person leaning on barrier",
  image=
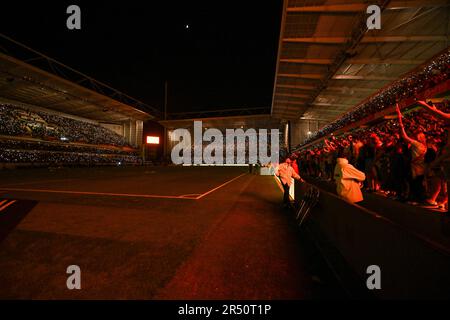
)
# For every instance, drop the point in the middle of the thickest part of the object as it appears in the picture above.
(348, 180)
(285, 172)
(443, 158)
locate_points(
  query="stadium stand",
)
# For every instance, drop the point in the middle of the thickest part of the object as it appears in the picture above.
(411, 86)
(385, 158)
(16, 121)
(39, 138)
(51, 114)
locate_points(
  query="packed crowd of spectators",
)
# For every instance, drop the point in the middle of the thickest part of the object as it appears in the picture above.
(54, 154)
(243, 149)
(6, 144)
(411, 86)
(56, 140)
(397, 163)
(56, 158)
(16, 121)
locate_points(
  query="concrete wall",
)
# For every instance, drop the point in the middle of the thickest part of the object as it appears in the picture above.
(139, 133)
(133, 132)
(117, 128)
(410, 266)
(300, 129)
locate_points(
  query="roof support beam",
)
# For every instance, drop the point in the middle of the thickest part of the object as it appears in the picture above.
(290, 95)
(359, 7)
(401, 4)
(284, 102)
(286, 111)
(324, 110)
(50, 95)
(293, 108)
(322, 104)
(308, 61)
(308, 119)
(385, 61)
(354, 7)
(295, 115)
(314, 76)
(60, 102)
(367, 39)
(15, 85)
(368, 78)
(349, 89)
(347, 95)
(320, 40)
(300, 87)
(291, 111)
(426, 38)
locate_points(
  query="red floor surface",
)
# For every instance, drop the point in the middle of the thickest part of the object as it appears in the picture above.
(233, 243)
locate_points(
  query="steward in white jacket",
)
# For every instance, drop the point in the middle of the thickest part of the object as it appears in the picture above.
(348, 180)
(285, 172)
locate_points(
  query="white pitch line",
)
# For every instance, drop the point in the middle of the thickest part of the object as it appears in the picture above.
(190, 196)
(216, 188)
(7, 205)
(97, 193)
(152, 196)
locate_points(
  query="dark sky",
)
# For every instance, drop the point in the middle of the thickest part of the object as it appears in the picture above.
(226, 59)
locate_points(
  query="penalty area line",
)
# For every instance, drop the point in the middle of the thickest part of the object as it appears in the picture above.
(130, 195)
(217, 188)
(194, 196)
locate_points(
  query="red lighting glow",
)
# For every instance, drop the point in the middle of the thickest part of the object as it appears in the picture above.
(152, 140)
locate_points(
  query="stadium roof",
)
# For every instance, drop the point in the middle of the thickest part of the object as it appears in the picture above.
(328, 62)
(224, 119)
(55, 86)
(255, 121)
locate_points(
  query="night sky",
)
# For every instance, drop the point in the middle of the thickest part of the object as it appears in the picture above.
(225, 59)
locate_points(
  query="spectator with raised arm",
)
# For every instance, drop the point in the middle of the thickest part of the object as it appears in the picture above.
(443, 157)
(418, 150)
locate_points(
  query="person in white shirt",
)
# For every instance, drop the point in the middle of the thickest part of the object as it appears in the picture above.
(285, 172)
(348, 180)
